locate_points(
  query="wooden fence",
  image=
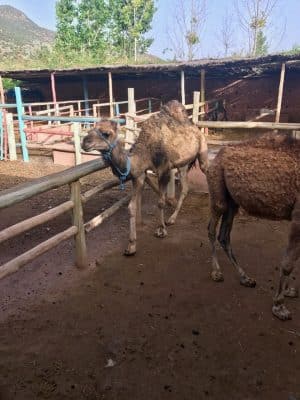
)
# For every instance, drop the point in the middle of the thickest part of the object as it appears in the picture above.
(77, 229)
(61, 118)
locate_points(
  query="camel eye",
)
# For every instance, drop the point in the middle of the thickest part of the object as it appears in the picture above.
(105, 135)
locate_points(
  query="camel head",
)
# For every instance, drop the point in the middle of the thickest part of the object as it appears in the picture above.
(102, 138)
(176, 110)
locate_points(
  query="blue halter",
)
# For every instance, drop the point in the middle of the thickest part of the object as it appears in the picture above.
(107, 155)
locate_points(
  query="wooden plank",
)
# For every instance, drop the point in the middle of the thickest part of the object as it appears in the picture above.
(249, 125)
(27, 190)
(280, 93)
(191, 106)
(99, 189)
(80, 243)
(96, 221)
(37, 220)
(14, 265)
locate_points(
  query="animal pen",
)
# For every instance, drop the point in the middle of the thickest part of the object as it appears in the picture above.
(66, 120)
(152, 326)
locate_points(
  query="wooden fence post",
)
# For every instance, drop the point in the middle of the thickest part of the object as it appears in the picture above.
(77, 144)
(129, 119)
(11, 137)
(80, 243)
(196, 102)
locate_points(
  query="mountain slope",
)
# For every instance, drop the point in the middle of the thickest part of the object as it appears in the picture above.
(19, 36)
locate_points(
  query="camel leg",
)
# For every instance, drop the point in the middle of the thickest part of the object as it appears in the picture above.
(203, 154)
(183, 194)
(137, 187)
(139, 218)
(288, 263)
(163, 181)
(216, 274)
(224, 240)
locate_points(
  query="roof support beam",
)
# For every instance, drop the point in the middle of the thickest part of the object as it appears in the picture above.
(53, 88)
(111, 96)
(182, 81)
(85, 95)
(280, 93)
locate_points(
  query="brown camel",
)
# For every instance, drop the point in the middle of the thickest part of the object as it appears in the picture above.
(166, 140)
(263, 177)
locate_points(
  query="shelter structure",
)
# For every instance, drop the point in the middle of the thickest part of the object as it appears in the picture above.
(248, 85)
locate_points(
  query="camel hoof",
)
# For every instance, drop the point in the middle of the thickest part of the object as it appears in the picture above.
(291, 292)
(161, 232)
(217, 276)
(130, 251)
(248, 282)
(280, 311)
(171, 221)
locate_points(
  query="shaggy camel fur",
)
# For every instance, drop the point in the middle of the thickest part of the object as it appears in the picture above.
(263, 177)
(167, 140)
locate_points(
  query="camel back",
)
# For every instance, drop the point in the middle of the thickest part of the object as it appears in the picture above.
(279, 142)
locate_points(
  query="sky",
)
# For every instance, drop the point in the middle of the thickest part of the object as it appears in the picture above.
(43, 13)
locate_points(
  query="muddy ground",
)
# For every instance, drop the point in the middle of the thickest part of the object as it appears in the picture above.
(153, 326)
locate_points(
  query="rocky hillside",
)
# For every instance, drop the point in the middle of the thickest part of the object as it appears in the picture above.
(19, 36)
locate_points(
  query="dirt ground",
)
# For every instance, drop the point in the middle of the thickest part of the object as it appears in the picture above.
(152, 326)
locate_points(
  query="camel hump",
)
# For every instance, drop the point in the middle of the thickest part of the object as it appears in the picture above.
(176, 110)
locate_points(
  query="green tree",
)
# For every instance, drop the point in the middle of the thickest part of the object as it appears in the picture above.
(92, 19)
(82, 27)
(66, 29)
(255, 17)
(130, 21)
(186, 27)
(261, 44)
(293, 51)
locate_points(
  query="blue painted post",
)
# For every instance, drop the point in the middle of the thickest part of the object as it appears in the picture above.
(21, 124)
(117, 109)
(1, 135)
(86, 95)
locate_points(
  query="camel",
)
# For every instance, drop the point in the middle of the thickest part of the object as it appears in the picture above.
(263, 177)
(166, 140)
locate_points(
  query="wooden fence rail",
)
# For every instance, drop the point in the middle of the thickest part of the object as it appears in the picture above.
(250, 125)
(78, 228)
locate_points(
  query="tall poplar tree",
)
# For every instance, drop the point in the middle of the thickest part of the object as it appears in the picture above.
(101, 28)
(130, 21)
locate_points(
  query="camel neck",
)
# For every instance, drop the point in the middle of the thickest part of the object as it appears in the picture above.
(119, 157)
